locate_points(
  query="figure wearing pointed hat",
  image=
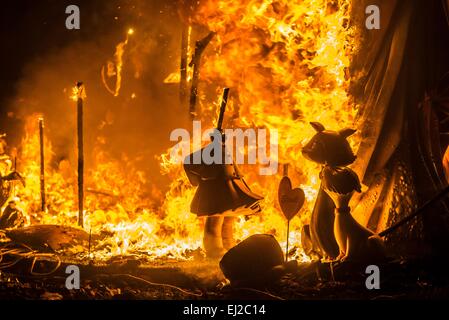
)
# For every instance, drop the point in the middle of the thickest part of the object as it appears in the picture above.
(222, 194)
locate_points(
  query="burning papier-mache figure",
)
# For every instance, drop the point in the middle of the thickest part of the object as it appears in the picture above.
(222, 194)
(11, 216)
(335, 234)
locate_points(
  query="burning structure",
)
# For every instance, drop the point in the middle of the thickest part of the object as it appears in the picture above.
(101, 174)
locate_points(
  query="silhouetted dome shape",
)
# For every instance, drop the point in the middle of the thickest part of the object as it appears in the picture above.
(252, 260)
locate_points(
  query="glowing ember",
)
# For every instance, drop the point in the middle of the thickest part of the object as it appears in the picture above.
(78, 91)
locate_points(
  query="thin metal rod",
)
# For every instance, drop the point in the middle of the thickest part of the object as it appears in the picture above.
(288, 236)
(90, 241)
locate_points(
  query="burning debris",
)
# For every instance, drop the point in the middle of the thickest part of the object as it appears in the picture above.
(100, 187)
(288, 57)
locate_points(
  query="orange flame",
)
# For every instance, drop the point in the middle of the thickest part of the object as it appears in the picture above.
(287, 63)
(114, 68)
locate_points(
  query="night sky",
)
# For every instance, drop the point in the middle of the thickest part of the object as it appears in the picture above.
(30, 29)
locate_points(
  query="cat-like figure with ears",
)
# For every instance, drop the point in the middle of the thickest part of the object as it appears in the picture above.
(335, 234)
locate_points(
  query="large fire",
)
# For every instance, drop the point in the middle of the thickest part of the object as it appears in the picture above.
(286, 63)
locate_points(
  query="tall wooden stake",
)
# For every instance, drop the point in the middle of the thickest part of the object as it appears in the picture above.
(183, 67)
(80, 154)
(42, 162)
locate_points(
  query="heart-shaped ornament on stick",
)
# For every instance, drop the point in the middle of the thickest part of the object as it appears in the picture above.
(290, 200)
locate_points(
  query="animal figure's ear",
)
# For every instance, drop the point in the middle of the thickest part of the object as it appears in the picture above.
(346, 132)
(317, 126)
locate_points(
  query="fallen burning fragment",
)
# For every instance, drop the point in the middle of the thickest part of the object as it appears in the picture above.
(12, 216)
(50, 237)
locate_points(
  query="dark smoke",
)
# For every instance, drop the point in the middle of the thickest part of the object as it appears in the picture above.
(41, 61)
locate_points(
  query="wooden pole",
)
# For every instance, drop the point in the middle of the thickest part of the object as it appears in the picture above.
(183, 67)
(224, 102)
(80, 154)
(42, 163)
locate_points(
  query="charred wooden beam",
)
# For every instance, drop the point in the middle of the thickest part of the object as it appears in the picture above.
(183, 67)
(224, 102)
(200, 46)
(81, 95)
